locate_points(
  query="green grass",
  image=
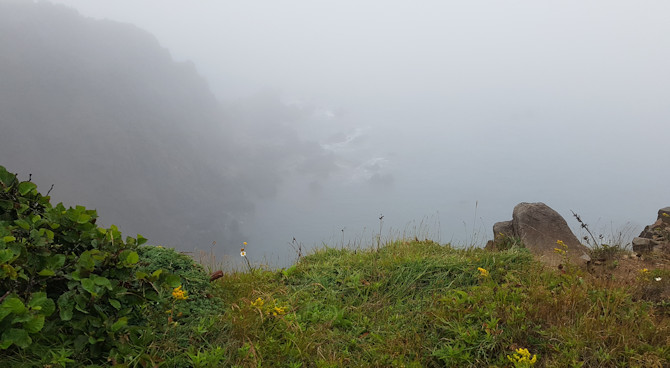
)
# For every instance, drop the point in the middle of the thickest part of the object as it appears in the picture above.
(421, 304)
(408, 304)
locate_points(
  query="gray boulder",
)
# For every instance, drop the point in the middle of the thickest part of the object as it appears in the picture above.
(539, 227)
(664, 214)
(656, 235)
(641, 245)
(504, 227)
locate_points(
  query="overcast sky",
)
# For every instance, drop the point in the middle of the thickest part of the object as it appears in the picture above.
(441, 108)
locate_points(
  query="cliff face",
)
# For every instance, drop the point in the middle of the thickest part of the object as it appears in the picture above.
(100, 110)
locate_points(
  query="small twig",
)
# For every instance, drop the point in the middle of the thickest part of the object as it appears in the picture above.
(297, 247)
(52, 186)
(381, 223)
(4, 296)
(585, 227)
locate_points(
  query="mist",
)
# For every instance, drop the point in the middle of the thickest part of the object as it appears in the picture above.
(440, 116)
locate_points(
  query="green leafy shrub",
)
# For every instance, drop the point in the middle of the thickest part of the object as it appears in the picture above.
(67, 283)
(191, 276)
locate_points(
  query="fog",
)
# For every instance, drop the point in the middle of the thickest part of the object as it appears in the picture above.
(439, 115)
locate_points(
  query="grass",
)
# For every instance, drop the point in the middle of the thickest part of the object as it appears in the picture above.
(422, 304)
(409, 303)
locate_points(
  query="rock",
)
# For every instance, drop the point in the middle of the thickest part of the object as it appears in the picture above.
(539, 227)
(664, 215)
(216, 275)
(643, 244)
(650, 230)
(656, 236)
(505, 227)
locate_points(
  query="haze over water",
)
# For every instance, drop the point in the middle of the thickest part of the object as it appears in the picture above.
(447, 112)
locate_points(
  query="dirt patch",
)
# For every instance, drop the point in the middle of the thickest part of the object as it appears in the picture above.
(648, 274)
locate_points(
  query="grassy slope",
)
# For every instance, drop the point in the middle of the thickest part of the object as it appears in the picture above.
(415, 304)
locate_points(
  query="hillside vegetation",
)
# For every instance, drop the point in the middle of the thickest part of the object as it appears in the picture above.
(74, 294)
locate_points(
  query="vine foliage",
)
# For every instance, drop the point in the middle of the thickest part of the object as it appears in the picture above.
(67, 283)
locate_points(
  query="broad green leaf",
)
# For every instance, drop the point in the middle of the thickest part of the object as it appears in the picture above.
(16, 336)
(22, 224)
(21, 318)
(4, 313)
(83, 218)
(121, 322)
(6, 178)
(80, 343)
(41, 302)
(14, 305)
(157, 273)
(89, 285)
(173, 280)
(25, 187)
(81, 302)
(8, 239)
(132, 258)
(86, 260)
(115, 303)
(35, 324)
(22, 208)
(56, 261)
(66, 306)
(102, 281)
(152, 295)
(141, 240)
(141, 275)
(46, 272)
(5, 343)
(50, 234)
(6, 255)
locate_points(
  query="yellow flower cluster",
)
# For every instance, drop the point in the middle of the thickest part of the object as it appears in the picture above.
(563, 248)
(179, 294)
(278, 311)
(483, 272)
(257, 303)
(272, 308)
(522, 358)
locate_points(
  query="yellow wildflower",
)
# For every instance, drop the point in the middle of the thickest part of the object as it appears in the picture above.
(665, 214)
(258, 303)
(644, 270)
(179, 294)
(278, 311)
(483, 272)
(245, 243)
(522, 358)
